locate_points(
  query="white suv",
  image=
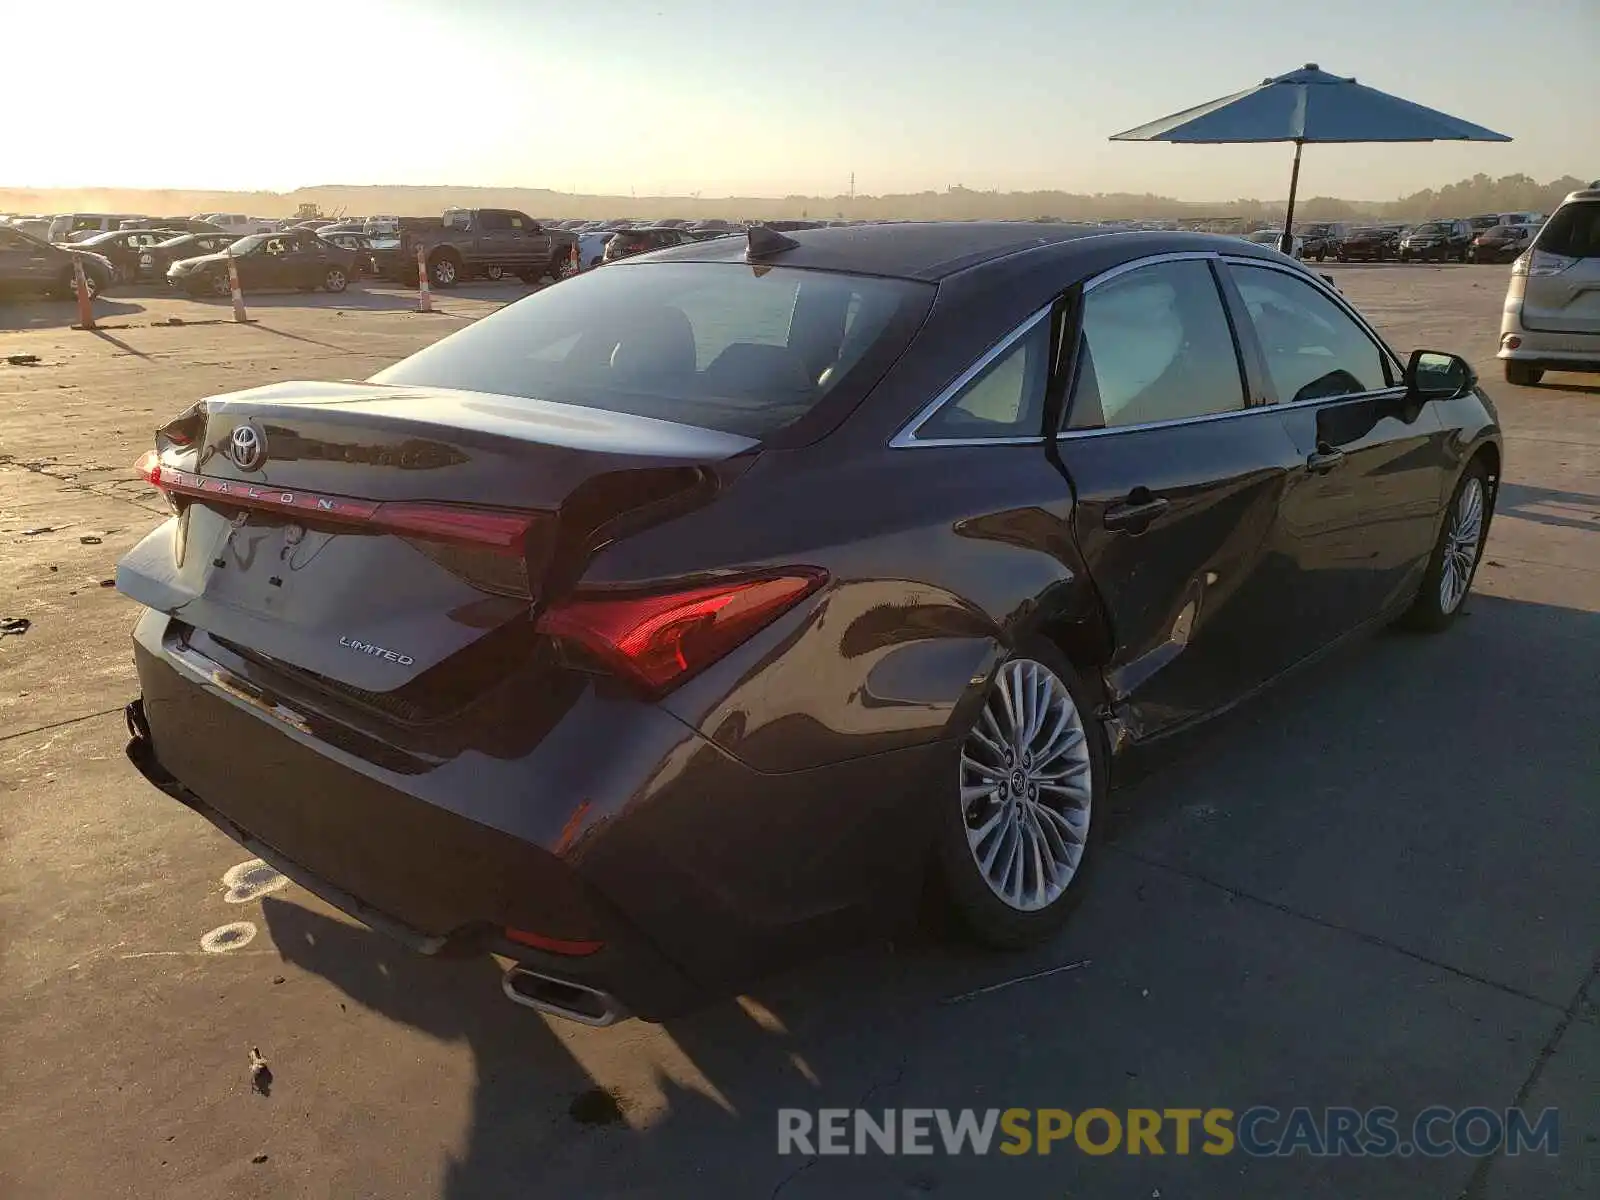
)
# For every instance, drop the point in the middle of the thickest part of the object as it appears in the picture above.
(1551, 320)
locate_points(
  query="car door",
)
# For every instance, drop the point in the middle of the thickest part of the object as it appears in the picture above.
(26, 265)
(308, 260)
(1177, 466)
(494, 239)
(1359, 516)
(265, 266)
(530, 244)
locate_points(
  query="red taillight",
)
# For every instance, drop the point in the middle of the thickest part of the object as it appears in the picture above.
(539, 941)
(660, 640)
(149, 468)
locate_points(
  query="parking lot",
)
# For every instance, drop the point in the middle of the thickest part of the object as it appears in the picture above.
(1376, 886)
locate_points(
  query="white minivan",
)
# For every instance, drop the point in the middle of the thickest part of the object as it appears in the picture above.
(1551, 319)
(64, 225)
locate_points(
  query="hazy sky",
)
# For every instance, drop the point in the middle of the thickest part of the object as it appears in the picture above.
(767, 97)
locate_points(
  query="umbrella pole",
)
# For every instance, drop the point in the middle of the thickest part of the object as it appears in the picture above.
(1286, 242)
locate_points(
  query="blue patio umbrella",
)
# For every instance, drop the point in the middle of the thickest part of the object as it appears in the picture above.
(1309, 105)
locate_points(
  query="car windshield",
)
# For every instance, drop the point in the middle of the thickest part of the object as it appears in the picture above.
(98, 239)
(246, 244)
(741, 349)
(1499, 231)
(1574, 231)
(1432, 229)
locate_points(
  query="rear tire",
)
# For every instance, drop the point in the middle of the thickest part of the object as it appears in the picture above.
(1456, 553)
(1522, 374)
(560, 266)
(1003, 782)
(335, 280)
(494, 272)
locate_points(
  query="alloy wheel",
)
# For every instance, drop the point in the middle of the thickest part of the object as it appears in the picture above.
(1461, 539)
(444, 272)
(1026, 787)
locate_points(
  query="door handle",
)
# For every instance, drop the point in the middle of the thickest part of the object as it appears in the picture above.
(1324, 459)
(1136, 512)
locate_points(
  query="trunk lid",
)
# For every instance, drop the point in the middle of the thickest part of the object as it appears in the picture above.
(375, 537)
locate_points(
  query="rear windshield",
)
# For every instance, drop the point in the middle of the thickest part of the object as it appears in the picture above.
(741, 349)
(1574, 230)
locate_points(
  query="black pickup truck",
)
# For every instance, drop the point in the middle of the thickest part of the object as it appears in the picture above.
(467, 243)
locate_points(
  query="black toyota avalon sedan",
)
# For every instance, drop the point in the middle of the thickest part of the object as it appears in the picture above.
(701, 612)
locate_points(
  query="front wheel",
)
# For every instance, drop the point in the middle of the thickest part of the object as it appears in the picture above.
(1455, 555)
(444, 271)
(221, 286)
(1521, 374)
(494, 272)
(1021, 810)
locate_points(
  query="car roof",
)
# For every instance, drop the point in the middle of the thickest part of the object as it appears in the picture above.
(932, 250)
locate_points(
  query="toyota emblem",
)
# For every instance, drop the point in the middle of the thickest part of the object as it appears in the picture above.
(247, 448)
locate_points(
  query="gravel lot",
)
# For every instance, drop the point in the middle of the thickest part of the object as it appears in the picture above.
(1376, 887)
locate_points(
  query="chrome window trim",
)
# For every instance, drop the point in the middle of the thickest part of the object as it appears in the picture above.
(1106, 430)
(1321, 285)
(907, 437)
(1151, 261)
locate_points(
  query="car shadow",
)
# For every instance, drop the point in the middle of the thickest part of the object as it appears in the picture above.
(848, 1028)
(30, 314)
(1572, 510)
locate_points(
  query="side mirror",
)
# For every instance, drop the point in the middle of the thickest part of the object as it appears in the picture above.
(1435, 375)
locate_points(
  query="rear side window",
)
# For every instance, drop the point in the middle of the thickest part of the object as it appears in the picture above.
(1155, 346)
(1004, 398)
(1574, 231)
(745, 350)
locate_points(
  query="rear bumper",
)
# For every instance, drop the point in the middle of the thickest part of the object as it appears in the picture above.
(1554, 350)
(619, 825)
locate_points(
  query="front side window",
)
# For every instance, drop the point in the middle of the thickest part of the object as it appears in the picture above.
(1155, 346)
(1313, 349)
(1005, 399)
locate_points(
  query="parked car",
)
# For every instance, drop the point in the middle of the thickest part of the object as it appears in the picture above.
(627, 242)
(1483, 221)
(494, 676)
(293, 259)
(1500, 243)
(64, 225)
(1370, 243)
(34, 227)
(592, 248)
(1437, 241)
(358, 244)
(28, 264)
(155, 260)
(1320, 239)
(1551, 319)
(468, 242)
(1272, 238)
(240, 224)
(126, 249)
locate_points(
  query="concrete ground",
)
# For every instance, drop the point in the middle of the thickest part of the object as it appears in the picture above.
(1375, 887)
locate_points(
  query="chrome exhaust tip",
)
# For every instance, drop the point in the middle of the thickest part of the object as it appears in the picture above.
(561, 997)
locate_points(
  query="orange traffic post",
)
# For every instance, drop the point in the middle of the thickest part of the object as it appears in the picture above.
(424, 297)
(238, 292)
(85, 303)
